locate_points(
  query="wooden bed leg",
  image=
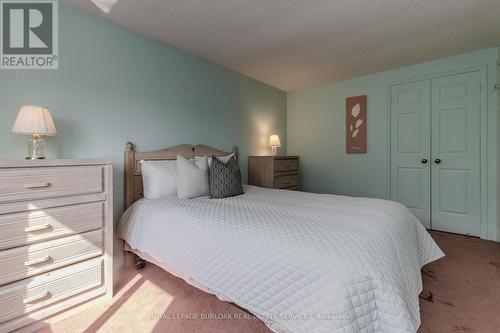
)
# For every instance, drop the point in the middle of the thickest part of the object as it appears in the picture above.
(128, 259)
(139, 263)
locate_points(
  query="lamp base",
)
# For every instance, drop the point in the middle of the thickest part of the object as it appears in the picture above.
(274, 151)
(35, 148)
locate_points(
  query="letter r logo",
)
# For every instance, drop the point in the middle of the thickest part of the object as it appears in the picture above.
(27, 28)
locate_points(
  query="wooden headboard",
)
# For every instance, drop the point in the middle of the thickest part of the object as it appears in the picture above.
(133, 175)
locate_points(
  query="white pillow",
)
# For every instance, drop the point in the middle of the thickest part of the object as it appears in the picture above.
(159, 179)
(192, 177)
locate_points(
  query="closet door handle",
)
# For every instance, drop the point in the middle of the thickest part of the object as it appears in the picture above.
(424, 161)
(437, 161)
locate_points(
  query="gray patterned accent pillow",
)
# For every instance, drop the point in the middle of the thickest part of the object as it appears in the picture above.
(224, 179)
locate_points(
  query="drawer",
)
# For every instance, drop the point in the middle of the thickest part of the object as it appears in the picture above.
(33, 226)
(26, 261)
(294, 188)
(23, 184)
(286, 164)
(286, 181)
(22, 297)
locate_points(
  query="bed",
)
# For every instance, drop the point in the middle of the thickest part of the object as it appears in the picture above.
(301, 262)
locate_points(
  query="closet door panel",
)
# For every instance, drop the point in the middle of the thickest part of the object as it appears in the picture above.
(455, 153)
(410, 147)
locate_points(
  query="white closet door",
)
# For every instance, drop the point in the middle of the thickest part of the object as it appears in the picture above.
(455, 176)
(410, 148)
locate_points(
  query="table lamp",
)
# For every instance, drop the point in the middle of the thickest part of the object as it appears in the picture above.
(37, 122)
(274, 143)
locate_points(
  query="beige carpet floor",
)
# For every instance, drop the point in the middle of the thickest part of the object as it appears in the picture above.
(461, 294)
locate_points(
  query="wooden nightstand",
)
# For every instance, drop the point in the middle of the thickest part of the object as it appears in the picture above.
(280, 172)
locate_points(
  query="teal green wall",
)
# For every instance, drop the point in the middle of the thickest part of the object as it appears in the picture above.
(498, 124)
(114, 86)
(316, 121)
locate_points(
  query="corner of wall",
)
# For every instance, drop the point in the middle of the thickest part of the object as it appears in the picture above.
(498, 137)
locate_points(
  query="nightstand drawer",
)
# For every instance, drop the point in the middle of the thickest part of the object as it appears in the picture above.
(33, 226)
(20, 184)
(25, 296)
(26, 261)
(286, 164)
(286, 181)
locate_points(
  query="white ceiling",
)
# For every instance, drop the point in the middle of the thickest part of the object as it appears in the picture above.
(291, 44)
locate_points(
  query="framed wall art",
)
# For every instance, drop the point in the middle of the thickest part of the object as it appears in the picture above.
(355, 124)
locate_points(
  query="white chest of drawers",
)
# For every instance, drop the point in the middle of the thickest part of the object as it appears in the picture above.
(56, 237)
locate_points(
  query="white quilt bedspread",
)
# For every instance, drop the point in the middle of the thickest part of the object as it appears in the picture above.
(301, 262)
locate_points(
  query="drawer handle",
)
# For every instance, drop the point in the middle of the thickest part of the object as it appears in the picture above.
(36, 297)
(36, 185)
(38, 227)
(287, 183)
(37, 261)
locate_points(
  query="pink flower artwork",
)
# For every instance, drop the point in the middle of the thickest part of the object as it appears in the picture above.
(355, 134)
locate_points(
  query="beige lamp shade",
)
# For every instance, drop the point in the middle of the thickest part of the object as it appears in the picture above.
(33, 119)
(274, 141)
